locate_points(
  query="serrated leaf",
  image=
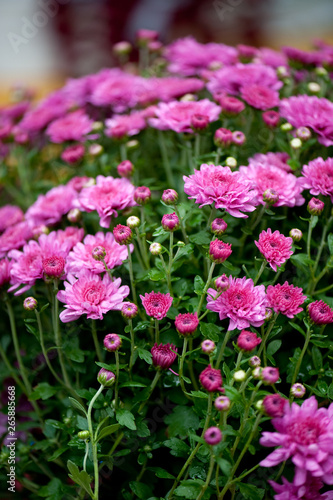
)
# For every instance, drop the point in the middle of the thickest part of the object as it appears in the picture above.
(43, 391)
(199, 285)
(141, 490)
(126, 418)
(145, 355)
(80, 477)
(181, 420)
(106, 431)
(317, 358)
(189, 489)
(53, 490)
(77, 405)
(178, 447)
(200, 238)
(183, 252)
(156, 274)
(251, 492)
(302, 261)
(57, 453)
(161, 473)
(224, 465)
(210, 331)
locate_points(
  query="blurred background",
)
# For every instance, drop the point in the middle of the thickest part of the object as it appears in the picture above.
(45, 41)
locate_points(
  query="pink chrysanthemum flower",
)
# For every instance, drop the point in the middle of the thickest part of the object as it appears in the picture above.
(187, 323)
(177, 115)
(112, 342)
(219, 185)
(304, 434)
(122, 234)
(259, 96)
(14, 237)
(50, 108)
(265, 176)
(307, 491)
(275, 159)
(211, 379)
(285, 299)
(27, 267)
(274, 404)
(10, 215)
(81, 255)
(243, 303)
(91, 295)
(5, 266)
(156, 304)
(318, 176)
(213, 436)
(163, 355)
(71, 236)
(275, 247)
(72, 154)
(219, 251)
(72, 127)
(79, 183)
(131, 124)
(247, 341)
(320, 313)
(107, 196)
(310, 111)
(49, 208)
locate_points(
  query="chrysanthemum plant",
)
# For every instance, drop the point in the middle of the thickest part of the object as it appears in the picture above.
(166, 273)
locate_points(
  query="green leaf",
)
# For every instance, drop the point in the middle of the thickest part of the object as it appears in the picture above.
(200, 238)
(55, 423)
(317, 358)
(297, 327)
(156, 274)
(53, 490)
(161, 473)
(183, 252)
(314, 221)
(199, 285)
(145, 355)
(330, 391)
(272, 348)
(126, 418)
(77, 405)
(189, 489)
(43, 308)
(181, 420)
(199, 394)
(82, 478)
(143, 429)
(210, 331)
(32, 329)
(57, 453)
(141, 490)
(251, 492)
(224, 465)
(132, 384)
(110, 429)
(330, 243)
(178, 447)
(302, 261)
(43, 391)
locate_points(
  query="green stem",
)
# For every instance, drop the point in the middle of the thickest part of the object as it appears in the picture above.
(166, 274)
(266, 335)
(157, 332)
(211, 217)
(93, 442)
(95, 339)
(225, 341)
(238, 362)
(323, 290)
(299, 361)
(130, 322)
(116, 381)
(217, 156)
(209, 475)
(197, 146)
(322, 243)
(152, 387)
(182, 227)
(86, 456)
(308, 242)
(210, 274)
(130, 265)
(165, 159)
(57, 334)
(181, 366)
(261, 270)
(11, 369)
(123, 151)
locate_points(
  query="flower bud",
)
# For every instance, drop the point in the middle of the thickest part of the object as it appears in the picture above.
(303, 133)
(320, 313)
(320, 71)
(218, 226)
(186, 324)
(53, 266)
(274, 405)
(74, 215)
(282, 72)
(170, 197)
(199, 122)
(296, 143)
(270, 375)
(133, 222)
(142, 195)
(297, 390)
(256, 373)
(247, 341)
(98, 253)
(222, 283)
(132, 144)
(286, 127)
(223, 137)
(122, 48)
(270, 196)
(95, 149)
(231, 162)
(155, 248)
(314, 87)
(271, 118)
(255, 361)
(30, 304)
(213, 436)
(238, 138)
(106, 378)
(296, 234)
(170, 222)
(315, 206)
(129, 310)
(125, 169)
(219, 251)
(83, 435)
(122, 234)
(112, 342)
(259, 404)
(222, 403)
(239, 376)
(208, 346)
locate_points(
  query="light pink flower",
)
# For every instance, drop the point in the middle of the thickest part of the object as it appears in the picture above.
(14, 237)
(177, 115)
(276, 159)
(107, 196)
(310, 111)
(49, 208)
(81, 255)
(91, 295)
(271, 57)
(265, 176)
(156, 304)
(275, 247)
(73, 154)
(304, 434)
(79, 182)
(72, 127)
(10, 215)
(243, 303)
(307, 491)
(187, 323)
(285, 299)
(259, 96)
(219, 185)
(5, 266)
(318, 176)
(131, 124)
(71, 235)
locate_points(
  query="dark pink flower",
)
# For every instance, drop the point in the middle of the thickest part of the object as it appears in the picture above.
(219, 185)
(213, 435)
(219, 251)
(9, 216)
(49, 208)
(315, 206)
(247, 341)
(270, 375)
(122, 234)
(211, 379)
(243, 303)
(125, 169)
(223, 137)
(285, 299)
(318, 176)
(14, 237)
(130, 124)
(142, 195)
(72, 127)
(170, 222)
(156, 304)
(163, 355)
(231, 105)
(112, 342)
(53, 266)
(271, 118)
(275, 247)
(170, 197)
(307, 491)
(129, 310)
(5, 266)
(199, 122)
(274, 404)
(320, 313)
(304, 434)
(91, 295)
(107, 197)
(72, 154)
(218, 226)
(187, 323)
(27, 267)
(259, 96)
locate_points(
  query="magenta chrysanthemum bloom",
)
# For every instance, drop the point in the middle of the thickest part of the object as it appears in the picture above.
(270, 375)
(170, 222)
(125, 169)
(318, 176)
(81, 255)
(265, 176)
(274, 404)
(107, 196)
(260, 97)
(14, 237)
(27, 267)
(320, 313)
(129, 310)
(91, 295)
(243, 303)
(208, 346)
(131, 124)
(71, 236)
(211, 379)
(163, 355)
(80, 182)
(49, 208)
(271, 118)
(310, 111)
(213, 436)
(219, 251)
(231, 105)
(275, 247)
(5, 266)
(72, 127)
(187, 323)
(247, 341)
(219, 185)
(177, 115)
(307, 491)
(112, 342)
(275, 159)
(285, 299)
(122, 234)
(142, 195)
(72, 154)
(10, 215)
(157, 304)
(218, 226)
(53, 266)
(304, 434)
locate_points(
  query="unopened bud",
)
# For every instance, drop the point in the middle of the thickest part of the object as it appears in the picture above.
(30, 304)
